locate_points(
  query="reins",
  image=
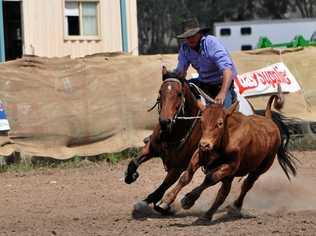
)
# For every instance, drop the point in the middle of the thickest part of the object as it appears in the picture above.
(177, 117)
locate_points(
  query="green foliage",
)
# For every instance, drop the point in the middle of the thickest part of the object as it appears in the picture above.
(42, 163)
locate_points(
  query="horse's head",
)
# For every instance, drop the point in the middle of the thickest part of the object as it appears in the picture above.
(213, 124)
(172, 99)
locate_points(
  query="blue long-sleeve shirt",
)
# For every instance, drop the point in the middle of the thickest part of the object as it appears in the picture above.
(210, 62)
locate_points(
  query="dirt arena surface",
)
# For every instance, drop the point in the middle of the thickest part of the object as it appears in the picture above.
(93, 200)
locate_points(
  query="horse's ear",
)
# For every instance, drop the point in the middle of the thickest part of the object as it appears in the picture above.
(233, 108)
(164, 72)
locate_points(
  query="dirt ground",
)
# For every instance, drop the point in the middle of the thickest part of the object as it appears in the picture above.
(94, 200)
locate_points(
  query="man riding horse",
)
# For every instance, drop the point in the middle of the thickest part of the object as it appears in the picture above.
(177, 134)
(212, 61)
(174, 140)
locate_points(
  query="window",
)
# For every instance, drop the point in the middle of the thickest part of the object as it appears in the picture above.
(81, 18)
(225, 32)
(246, 47)
(245, 30)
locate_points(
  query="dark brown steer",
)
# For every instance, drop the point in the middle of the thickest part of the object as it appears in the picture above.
(247, 145)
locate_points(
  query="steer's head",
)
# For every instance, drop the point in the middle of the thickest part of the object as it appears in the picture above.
(213, 123)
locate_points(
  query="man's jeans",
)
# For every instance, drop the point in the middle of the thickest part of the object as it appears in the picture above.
(213, 89)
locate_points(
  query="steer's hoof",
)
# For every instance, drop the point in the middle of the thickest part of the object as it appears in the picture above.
(187, 202)
(233, 211)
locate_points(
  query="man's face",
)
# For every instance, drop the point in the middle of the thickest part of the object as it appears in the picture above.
(194, 40)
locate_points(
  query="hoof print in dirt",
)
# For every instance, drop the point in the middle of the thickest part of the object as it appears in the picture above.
(235, 212)
(143, 210)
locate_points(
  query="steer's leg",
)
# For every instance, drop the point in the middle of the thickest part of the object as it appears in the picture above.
(248, 183)
(198, 159)
(212, 178)
(185, 179)
(220, 198)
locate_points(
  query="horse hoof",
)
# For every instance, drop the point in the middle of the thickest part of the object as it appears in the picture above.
(165, 209)
(142, 210)
(130, 178)
(186, 202)
(164, 206)
(203, 221)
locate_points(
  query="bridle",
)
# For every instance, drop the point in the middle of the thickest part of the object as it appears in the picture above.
(178, 144)
(180, 108)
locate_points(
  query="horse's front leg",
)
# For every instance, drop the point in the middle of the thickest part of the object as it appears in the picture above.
(172, 176)
(131, 173)
(184, 180)
(141, 209)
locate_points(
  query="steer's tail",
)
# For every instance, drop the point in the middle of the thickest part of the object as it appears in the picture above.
(278, 102)
(286, 159)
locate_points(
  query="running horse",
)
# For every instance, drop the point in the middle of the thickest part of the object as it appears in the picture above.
(174, 139)
(233, 145)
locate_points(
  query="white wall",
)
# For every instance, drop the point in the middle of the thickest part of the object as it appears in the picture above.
(43, 22)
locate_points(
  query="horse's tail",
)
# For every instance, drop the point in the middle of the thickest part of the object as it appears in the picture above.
(278, 102)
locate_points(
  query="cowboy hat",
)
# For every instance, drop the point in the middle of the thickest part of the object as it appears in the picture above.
(191, 27)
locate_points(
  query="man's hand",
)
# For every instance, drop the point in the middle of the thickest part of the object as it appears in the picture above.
(219, 99)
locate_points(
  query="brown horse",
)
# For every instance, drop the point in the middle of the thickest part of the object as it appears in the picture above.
(174, 139)
(233, 145)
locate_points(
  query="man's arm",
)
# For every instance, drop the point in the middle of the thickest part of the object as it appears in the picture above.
(224, 63)
(183, 63)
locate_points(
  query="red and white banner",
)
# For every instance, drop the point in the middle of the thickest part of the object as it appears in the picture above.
(266, 80)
